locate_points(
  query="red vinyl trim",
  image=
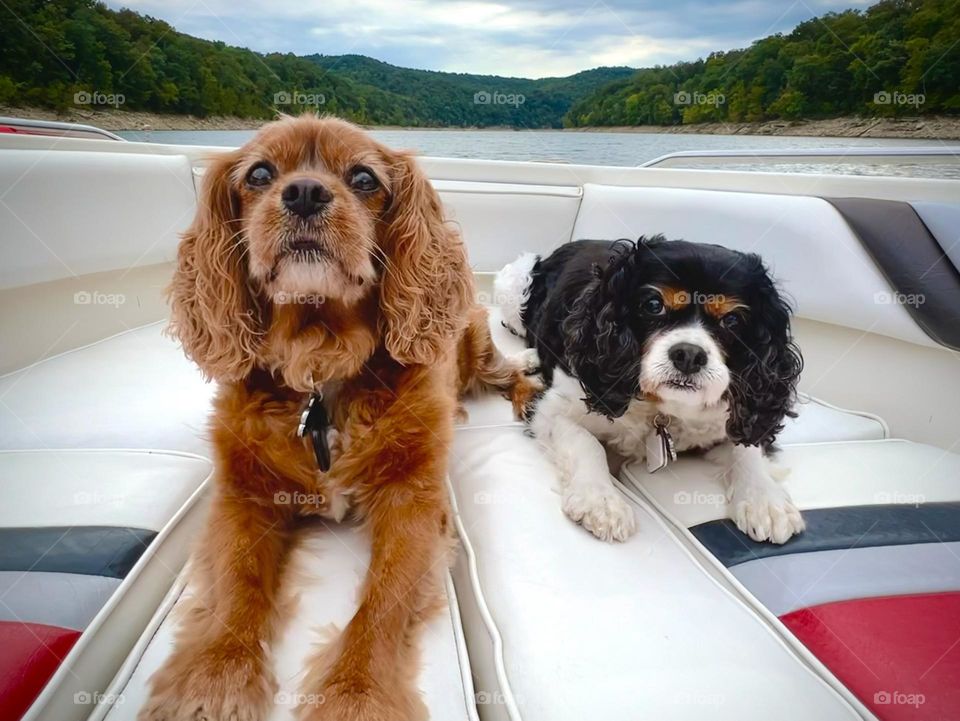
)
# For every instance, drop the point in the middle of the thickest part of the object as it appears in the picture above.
(899, 654)
(31, 654)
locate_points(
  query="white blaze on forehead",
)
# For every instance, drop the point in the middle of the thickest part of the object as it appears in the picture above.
(656, 368)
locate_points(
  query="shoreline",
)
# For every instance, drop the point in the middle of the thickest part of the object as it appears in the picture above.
(920, 128)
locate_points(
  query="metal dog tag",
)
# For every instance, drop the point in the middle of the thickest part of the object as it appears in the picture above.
(660, 449)
(314, 420)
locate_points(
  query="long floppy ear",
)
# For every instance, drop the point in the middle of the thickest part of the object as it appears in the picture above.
(213, 312)
(766, 365)
(427, 287)
(599, 346)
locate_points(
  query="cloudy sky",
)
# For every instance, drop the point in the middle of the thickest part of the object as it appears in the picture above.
(528, 38)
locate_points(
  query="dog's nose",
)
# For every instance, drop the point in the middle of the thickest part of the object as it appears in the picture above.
(687, 357)
(305, 197)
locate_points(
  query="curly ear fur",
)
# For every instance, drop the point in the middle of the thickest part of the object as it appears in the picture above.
(213, 312)
(765, 366)
(599, 347)
(427, 287)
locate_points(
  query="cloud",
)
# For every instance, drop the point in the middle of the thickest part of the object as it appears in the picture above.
(534, 38)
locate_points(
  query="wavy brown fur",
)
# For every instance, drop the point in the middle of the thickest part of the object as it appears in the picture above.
(396, 335)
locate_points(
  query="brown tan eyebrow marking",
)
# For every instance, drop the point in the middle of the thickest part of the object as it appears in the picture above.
(674, 298)
(719, 305)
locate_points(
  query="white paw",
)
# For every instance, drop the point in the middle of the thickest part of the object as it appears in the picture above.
(528, 360)
(602, 511)
(765, 513)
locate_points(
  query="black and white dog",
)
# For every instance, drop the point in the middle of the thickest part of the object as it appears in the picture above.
(647, 344)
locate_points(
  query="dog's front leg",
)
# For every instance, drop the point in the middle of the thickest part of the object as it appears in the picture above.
(369, 673)
(757, 503)
(218, 669)
(588, 494)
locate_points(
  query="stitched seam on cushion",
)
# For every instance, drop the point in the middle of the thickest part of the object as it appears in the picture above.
(499, 665)
(122, 679)
(80, 348)
(774, 627)
(97, 622)
(466, 674)
(862, 414)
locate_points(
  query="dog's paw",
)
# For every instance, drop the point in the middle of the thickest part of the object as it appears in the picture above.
(212, 686)
(356, 700)
(766, 513)
(528, 361)
(602, 511)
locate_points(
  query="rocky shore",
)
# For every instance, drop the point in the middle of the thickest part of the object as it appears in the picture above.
(932, 127)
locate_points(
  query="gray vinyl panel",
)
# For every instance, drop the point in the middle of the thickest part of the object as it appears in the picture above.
(943, 222)
(68, 600)
(787, 583)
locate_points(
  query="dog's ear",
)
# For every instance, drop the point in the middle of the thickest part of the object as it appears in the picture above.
(766, 365)
(213, 312)
(427, 286)
(599, 346)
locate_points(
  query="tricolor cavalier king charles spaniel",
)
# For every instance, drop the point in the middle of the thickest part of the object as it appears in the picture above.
(647, 344)
(319, 266)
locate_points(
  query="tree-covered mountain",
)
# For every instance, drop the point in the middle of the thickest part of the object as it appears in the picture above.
(79, 52)
(898, 57)
(461, 99)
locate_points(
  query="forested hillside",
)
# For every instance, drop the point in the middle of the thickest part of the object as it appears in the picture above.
(898, 57)
(74, 52)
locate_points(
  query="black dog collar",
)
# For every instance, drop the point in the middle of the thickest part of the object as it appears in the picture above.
(315, 421)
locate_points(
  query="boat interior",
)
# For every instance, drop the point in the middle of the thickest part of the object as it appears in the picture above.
(106, 467)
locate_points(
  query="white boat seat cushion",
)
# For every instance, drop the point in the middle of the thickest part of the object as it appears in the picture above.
(321, 583)
(132, 390)
(91, 541)
(564, 627)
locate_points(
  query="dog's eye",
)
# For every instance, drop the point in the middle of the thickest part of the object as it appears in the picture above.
(260, 174)
(363, 180)
(731, 321)
(653, 306)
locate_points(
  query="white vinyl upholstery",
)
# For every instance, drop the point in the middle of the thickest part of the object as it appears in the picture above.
(325, 572)
(493, 216)
(133, 390)
(564, 627)
(153, 490)
(821, 475)
(128, 488)
(831, 277)
(67, 214)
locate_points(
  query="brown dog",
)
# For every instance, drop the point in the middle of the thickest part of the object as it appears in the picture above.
(319, 261)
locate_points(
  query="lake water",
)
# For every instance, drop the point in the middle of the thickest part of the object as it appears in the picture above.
(627, 149)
